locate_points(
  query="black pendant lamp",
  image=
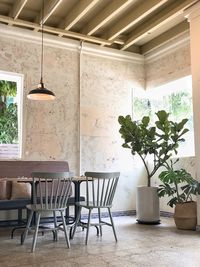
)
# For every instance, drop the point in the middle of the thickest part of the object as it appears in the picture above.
(41, 93)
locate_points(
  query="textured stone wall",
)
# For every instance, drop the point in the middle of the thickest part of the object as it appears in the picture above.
(170, 66)
(163, 69)
(50, 129)
(106, 93)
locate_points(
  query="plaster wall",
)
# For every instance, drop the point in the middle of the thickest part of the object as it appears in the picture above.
(106, 93)
(51, 129)
(168, 66)
(193, 15)
(163, 68)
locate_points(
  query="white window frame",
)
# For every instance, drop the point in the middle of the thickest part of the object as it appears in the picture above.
(168, 88)
(18, 78)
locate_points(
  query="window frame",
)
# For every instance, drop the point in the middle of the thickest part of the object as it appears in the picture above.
(19, 79)
(167, 89)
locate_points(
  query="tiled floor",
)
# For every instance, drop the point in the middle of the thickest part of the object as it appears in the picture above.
(138, 245)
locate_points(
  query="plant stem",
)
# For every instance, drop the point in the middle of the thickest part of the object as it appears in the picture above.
(148, 174)
(178, 196)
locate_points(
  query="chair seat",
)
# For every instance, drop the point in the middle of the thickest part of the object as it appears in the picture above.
(71, 200)
(91, 204)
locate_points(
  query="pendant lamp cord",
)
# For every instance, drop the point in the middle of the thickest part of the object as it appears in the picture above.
(42, 56)
(79, 113)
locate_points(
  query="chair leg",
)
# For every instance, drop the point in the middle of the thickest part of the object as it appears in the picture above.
(88, 226)
(100, 227)
(113, 227)
(19, 222)
(65, 228)
(76, 222)
(55, 232)
(36, 232)
(67, 215)
(24, 234)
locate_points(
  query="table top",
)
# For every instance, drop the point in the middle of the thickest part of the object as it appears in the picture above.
(29, 179)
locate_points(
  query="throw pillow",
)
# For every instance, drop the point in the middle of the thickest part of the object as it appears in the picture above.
(20, 190)
(3, 190)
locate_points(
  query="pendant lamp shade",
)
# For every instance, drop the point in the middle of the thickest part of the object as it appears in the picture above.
(41, 93)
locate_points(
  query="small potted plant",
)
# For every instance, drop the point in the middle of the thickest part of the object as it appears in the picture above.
(180, 187)
(158, 140)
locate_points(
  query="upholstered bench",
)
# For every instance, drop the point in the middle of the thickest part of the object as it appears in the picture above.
(15, 196)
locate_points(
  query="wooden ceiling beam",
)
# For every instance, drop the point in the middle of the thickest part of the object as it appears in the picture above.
(48, 10)
(109, 12)
(53, 30)
(17, 8)
(161, 18)
(78, 12)
(134, 16)
(165, 37)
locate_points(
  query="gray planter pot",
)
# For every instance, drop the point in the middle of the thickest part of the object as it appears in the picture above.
(147, 205)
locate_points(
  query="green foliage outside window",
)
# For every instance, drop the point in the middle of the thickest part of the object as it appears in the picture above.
(8, 113)
(180, 106)
(141, 107)
(177, 102)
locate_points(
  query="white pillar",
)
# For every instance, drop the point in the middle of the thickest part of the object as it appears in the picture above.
(193, 15)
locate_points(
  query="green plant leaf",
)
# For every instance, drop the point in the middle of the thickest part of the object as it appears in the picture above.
(159, 140)
(145, 120)
(162, 115)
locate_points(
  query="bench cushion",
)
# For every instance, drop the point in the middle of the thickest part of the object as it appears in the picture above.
(14, 204)
(20, 168)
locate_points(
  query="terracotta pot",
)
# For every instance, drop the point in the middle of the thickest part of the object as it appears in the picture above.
(185, 215)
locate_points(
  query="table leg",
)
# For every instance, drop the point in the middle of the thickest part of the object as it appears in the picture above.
(76, 199)
(76, 196)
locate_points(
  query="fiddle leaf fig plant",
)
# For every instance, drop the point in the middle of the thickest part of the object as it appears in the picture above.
(159, 139)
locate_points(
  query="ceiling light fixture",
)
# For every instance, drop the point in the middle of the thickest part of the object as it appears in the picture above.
(41, 93)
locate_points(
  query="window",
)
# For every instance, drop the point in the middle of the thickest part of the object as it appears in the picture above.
(174, 97)
(10, 115)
